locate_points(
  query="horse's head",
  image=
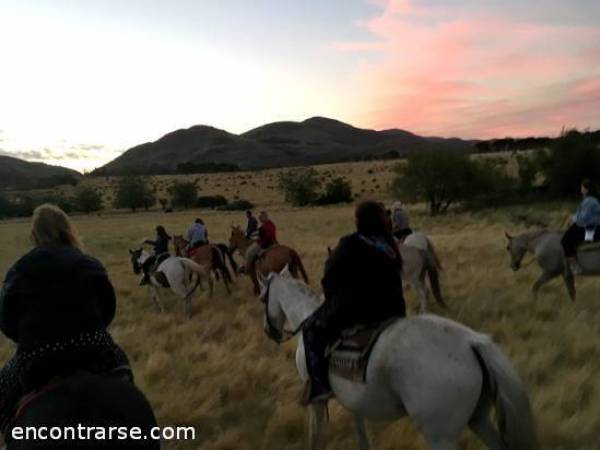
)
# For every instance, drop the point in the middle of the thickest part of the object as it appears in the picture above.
(136, 255)
(179, 243)
(274, 319)
(237, 238)
(516, 248)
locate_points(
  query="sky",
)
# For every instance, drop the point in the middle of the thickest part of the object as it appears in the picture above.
(82, 81)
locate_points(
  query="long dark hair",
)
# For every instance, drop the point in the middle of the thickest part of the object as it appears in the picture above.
(162, 233)
(372, 220)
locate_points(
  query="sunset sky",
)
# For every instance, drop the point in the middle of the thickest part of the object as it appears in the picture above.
(82, 81)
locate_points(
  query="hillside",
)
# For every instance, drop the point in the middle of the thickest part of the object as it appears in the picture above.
(316, 140)
(18, 174)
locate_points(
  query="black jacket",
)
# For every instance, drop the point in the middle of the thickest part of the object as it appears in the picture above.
(53, 293)
(161, 245)
(362, 285)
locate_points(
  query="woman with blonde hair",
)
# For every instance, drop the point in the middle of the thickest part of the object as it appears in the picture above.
(56, 304)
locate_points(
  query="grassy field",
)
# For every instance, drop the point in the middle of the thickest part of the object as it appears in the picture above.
(219, 372)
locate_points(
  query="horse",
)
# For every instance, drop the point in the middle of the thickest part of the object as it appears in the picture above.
(419, 259)
(274, 259)
(437, 371)
(548, 252)
(207, 255)
(416, 265)
(421, 241)
(87, 400)
(175, 273)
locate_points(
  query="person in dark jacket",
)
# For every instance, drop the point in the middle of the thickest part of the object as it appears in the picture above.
(161, 246)
(583, 225)
(362, 286)
(251, 226)
(55, 304)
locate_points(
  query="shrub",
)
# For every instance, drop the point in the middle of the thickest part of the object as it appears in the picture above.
(442, 178)
(300, 186)
(87, 199)
(572, 157)
(338, 190)
(211, 201)
(236, 205)
(184, 194)
(133, 192)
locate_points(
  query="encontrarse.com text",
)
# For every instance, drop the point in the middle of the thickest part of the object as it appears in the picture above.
(82, 432)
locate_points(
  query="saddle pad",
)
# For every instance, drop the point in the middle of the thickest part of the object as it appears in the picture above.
(349, 356)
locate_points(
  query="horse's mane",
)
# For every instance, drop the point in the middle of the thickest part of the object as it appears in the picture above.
(301, 286)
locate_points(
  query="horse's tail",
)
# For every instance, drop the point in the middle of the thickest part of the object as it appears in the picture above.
(295, 257)
(225, 251)
(433, 252)
(434, 277)
(219, 264)
(516, 423)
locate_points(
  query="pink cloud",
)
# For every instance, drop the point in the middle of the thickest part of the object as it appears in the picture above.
(474, 75)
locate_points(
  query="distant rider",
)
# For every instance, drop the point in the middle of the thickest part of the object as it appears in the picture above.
(197, 234)
(362, 286)
(267, 237)
(400, 222)
(252, 226)
(583, 225)
(161, 246)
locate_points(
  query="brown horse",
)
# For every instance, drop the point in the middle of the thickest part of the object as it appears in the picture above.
(274, 259)
(208, 256)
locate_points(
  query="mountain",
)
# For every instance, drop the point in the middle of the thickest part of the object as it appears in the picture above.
(18, 174)
(317, 140)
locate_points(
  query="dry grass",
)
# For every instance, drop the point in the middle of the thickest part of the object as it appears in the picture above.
(220, 373)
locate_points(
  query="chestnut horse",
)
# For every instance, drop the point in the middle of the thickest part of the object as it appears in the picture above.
(208, 256)
(273, 259)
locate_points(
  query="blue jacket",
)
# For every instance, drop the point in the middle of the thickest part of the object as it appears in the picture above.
(197, 233)
(588, 213)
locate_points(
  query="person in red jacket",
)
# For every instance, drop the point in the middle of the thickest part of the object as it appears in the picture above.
(267, 237)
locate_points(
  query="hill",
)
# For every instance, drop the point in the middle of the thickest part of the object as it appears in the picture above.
(317, 140)
(18, 174)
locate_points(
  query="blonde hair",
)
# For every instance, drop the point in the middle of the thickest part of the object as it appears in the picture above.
(51, 226)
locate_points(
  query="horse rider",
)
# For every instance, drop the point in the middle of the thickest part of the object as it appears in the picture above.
(583, 225)
(267, 237)
(161, 247)
(400, 222)
(252, 225)
(197, 234)
(56, 304)
(361, 285)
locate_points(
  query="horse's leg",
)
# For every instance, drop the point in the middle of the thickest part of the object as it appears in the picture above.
(316, 421)
(542, 280)
(570, 283)
(361, 433)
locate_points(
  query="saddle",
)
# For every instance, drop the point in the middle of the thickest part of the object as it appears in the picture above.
(263, 251)
(349, 355)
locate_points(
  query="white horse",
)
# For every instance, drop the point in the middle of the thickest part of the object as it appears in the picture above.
(442, 374)
(177, 272)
